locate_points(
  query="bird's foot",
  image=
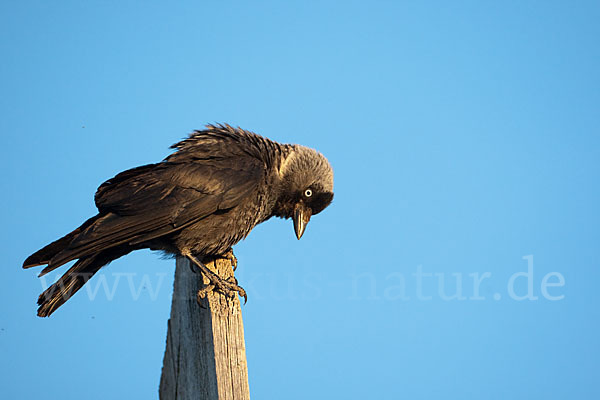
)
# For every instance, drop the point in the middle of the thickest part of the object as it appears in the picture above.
(225, 286)
(229, 289)
(202, 293)
(228, 255)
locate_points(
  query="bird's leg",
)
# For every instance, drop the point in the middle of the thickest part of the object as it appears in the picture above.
(224, 286)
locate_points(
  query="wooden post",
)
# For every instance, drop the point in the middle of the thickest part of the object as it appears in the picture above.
(205, 356)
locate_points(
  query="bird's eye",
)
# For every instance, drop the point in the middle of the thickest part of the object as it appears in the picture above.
(308, 192)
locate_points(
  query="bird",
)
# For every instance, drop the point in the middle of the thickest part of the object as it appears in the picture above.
(216, 186)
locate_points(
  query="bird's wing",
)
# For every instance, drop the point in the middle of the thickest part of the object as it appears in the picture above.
(155, 200)
(170, 186)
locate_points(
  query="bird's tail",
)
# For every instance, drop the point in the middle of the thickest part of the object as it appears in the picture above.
(44, 255)
(60, 252)
(62, 290)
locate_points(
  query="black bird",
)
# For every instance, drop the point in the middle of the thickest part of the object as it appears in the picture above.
(198, 202)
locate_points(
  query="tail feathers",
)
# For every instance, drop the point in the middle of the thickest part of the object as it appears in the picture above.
(61, 291)
(94, 244)
(44, 255)
(81, 272)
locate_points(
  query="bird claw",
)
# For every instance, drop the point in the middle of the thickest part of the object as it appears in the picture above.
(216, 283)
(241, 292)
(235, 287)
(227, 291)
(203, 293)
(228, 255)
(230, 289)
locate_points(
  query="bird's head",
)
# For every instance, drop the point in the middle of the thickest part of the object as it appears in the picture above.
(306, 186)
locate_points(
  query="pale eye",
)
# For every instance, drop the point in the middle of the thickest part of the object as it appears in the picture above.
(308, 192)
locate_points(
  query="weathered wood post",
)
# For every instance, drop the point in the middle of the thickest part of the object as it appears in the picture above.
(205, 356)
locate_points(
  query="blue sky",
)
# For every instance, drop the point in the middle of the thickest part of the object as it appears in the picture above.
(465, 142)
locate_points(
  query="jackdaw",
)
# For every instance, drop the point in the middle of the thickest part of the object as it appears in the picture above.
(198, 202)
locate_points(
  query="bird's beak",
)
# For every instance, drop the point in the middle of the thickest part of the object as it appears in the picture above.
(301, 217)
